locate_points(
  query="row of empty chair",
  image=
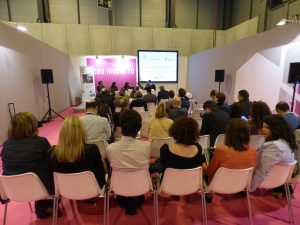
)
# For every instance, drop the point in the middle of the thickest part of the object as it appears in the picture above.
(79, 186)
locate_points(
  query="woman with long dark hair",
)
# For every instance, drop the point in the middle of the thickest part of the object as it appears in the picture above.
(278, 148)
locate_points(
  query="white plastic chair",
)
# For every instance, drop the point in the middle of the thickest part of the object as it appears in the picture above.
(256, 140)
(102, 147)
(220, 140)
(144, 130)
(230, 181)
(281, 174)
(151, 108)
(145, 116)
(76, 186)
(182, 182)
(139, 109)
(204, 141)
(26, 187)
(156, 144)
(129, 184)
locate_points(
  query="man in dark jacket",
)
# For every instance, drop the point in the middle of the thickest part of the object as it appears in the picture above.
(242, 107)
(214, 121)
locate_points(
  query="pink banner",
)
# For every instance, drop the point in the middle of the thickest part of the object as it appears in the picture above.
(118, 69)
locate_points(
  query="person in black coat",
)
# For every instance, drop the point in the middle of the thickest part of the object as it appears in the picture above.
(220, 99)
(242, 107)
(25, 152)
(162, 94)
(214, 121)
(139, 101)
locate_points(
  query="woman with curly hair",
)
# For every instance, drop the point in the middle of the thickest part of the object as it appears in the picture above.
(186, 153)
(278, 148)
(259, 111)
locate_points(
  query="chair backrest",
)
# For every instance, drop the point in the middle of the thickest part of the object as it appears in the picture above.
(145, 116)
(220, 140)
(279, 175)
(151, 108)
(256, 140)
(181, 181)
(130, 183)
(163, 100)
(230, 181)
(102, 147)
(23, 187)
(139, 109)
(144, 129)
(76, 186)
(204, 141)
(156, 144)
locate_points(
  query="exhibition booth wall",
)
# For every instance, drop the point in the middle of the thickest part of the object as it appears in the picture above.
(259, 64)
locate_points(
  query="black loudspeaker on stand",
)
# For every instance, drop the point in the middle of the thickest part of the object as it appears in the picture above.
(47, 78)
(294, 78)
(219, 77)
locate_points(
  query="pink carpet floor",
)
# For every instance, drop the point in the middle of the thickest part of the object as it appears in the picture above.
(227, 210)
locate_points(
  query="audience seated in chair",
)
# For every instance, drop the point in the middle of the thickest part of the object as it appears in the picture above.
(129, 154)
(214, 121)
(242, 107)
(73, 155)
(176, 111)
(97, 127)
(278, 148)
(159, 124)
(236, 153)
(169, 102)
(283, 109)
(24, 152)
(185, 102)
(220, 101)
(149, 97)
(186, 153)
(162, 94)
(138, 101)
(259, 111)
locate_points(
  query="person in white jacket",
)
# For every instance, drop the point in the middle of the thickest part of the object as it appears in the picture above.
(278, 148)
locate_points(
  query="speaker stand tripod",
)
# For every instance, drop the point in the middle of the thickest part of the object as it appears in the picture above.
(220, 86)
(293, 99)
(48, 115)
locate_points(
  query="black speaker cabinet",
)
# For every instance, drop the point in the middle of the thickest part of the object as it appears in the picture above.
(47, 76)
(294, 73)
(219, 75)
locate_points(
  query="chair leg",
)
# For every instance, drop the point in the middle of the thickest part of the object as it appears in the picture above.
(154, 207)
(204, 212)
(104, 209)
(5, 212)
(55, 211)
(30, 206)
(107, 208)
(249, 207)
(289, 203)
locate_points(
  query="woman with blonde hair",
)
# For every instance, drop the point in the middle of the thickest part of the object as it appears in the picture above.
(24, 152)
(73, 155)
(159, 124)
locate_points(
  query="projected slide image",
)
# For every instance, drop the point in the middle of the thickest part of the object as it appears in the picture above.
(158, 66)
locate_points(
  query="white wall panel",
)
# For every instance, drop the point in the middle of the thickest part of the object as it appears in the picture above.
(100, 40)
(142, 38)
(126, 12)
(186, 13)
(24, 11)
(153, 13)
(121, 38)
(56, 36)
(91, 13)
(78, 39)
(163, 39)
(63, 11)
(182, 41)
